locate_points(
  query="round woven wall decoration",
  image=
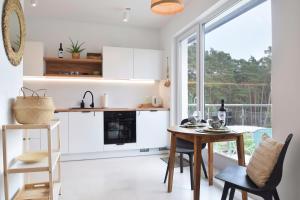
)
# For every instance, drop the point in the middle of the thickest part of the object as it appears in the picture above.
(13, 30)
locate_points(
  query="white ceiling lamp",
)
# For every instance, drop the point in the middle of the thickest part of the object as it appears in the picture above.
(33, 3)
(167, 7)
(126, 15)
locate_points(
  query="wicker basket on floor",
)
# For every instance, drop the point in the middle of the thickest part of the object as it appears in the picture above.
(33, 109)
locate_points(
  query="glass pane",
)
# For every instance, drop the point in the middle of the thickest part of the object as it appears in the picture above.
(189, 75)
(238, 69)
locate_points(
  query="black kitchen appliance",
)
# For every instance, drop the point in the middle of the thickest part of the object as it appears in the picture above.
(119, 127)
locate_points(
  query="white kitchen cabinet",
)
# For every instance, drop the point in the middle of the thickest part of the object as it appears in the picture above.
(33, 59)
(32, 133)
(64, 134)
(33, 142)
(152, 129)
(37, 138)
(85, 132)
(117, 63)
(147, 64)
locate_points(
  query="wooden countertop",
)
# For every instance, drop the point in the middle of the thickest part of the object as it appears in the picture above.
(108, 109)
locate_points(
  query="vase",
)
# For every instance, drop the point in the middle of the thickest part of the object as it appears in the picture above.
(75, 55)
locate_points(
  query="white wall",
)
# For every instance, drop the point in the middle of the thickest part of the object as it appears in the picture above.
(52, 32)
(285, 89)
(10, 83)
(121, 95)
(194, 11)
(34, 60)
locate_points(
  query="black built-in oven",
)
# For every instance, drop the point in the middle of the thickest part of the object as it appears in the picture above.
(119, 127)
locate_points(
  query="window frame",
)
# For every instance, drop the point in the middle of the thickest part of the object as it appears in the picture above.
(202, 31)
(193, 30)
(198, 27)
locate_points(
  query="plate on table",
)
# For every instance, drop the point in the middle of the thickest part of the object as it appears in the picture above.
(219, 130)
(190, 125)
(32, 157)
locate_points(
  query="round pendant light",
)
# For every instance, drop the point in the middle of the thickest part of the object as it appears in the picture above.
(167, 7)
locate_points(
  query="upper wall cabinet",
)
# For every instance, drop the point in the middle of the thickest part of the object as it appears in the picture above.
(117, 63)
(147, 64)
(33, 59)
(127, 63)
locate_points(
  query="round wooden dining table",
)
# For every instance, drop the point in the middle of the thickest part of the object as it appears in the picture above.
(198, 138)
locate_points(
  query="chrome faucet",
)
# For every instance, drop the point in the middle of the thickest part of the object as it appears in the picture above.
(82, 105)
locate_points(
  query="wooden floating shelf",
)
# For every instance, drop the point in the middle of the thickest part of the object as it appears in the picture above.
(70, 60)
(38, 191)
(21, 167)
(69, 67)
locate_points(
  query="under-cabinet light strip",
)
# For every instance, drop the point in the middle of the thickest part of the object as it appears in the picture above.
(83, 79)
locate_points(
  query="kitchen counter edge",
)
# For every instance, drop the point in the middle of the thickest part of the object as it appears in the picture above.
(108, 109)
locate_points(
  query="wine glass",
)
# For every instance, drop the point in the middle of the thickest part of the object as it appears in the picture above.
(197, 116)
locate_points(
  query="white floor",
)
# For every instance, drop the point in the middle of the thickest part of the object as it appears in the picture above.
(131, 178)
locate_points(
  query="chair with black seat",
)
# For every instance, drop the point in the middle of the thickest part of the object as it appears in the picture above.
(235, 177)
(185, 147)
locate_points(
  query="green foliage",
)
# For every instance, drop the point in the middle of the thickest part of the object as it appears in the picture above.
(75, 47)
(238, 81)
(235, 80)
(230, 147)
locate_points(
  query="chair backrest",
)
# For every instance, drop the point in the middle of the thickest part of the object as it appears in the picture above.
(186, 144)
(184, 121)
(182, 143)
(276, 174)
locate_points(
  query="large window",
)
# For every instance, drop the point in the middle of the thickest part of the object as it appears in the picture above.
(237, 68)
(232, 62)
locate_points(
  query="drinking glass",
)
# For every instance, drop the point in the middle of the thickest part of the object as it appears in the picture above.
(197, 116)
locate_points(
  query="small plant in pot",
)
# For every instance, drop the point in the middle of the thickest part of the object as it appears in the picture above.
(75, 49)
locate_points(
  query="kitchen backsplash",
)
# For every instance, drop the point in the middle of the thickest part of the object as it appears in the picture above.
(121, 95)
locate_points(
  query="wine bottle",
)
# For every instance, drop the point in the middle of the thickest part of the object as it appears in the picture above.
(222, 113)
(60, 51)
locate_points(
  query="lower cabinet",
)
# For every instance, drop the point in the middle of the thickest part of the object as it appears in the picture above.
(34, 144)
(85, 132)
(64, 131)
(38, 139)
(64, 134)
(151, 129)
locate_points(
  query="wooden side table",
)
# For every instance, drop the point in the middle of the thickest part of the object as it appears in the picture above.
(46, 190)
(198, 138)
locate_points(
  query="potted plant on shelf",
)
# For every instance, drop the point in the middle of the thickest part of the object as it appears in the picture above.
(75, 49)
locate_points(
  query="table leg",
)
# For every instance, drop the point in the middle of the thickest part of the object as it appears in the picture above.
(241, 157)
(171, 161)
(210, 163)
(197, 166)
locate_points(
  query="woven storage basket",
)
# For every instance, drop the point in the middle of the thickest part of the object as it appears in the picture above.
(33, 109)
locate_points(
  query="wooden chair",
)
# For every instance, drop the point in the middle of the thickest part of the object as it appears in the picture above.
(185, 147)
(235, 177)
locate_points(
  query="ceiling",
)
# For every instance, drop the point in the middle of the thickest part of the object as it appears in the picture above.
(98, 11)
